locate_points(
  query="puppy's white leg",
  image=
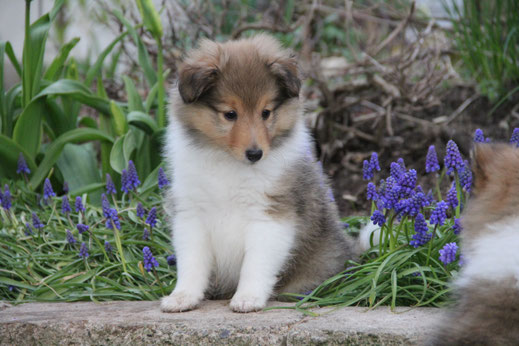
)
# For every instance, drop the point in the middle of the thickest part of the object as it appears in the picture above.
(194, 260)
(267, 246)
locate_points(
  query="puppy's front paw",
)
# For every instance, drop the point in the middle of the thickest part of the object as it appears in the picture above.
(179, 301)
(247, 303)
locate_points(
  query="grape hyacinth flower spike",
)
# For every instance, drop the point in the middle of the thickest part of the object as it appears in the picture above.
(439, 214)
(48, 192)
(457, 227)
(22, 166)
(367, 171)
(149, 261)
(371, 192)
(479, 137)
(28, 229)
(70, 238)
(152, 217)
(140, 210)
(79, 205)
(126, 185)
(378, 218)
(515, 137)
(82, 228)
(172, 260)
(453, 160)
(373, 162)
(162, 179)
(146, 234)
(65, 187)
(452, 196)
(36, 222)
(6, 198)
(65, 205)
(83, 251)
(431, 160)
(108, 246)
(110, 186)
(421, 235)
(105, 206)
(448, 253)
(133, 178)
(113, 219)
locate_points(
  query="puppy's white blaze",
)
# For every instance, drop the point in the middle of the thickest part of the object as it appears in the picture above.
(494, 255)
(220, 214)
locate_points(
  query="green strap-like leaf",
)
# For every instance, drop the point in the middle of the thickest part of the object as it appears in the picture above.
(27, 131)
(143, 121)
(54, 150)
(55, 68)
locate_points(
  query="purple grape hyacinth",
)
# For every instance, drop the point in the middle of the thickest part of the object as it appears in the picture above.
(378, 218)
(140, 210)
(146, 234)
(6, 198)
(453, 160)
(466, 178)
(479, 137)
(113, 219)
(431, 160)
(421, 229)
(70, 238)
(457, 227)
(148, 260)
(36, 222)
(452, 196)
(48, 192)
(367, 171)
(65, 205)
(110, 186)
(105, 205)
(22, 165)
(108, 246)
(79, 205)
(371, 192)
(28, 229)
(163, 180)
(373, 162)
(133, 178)
(172, 260)
(65, 187)
(448, 253)
(439, 214)
(126, 185)
(83, 251)
(152, 217)
(82, 228)
(514, 139)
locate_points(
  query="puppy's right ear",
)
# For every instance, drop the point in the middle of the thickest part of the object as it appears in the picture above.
(196, 79)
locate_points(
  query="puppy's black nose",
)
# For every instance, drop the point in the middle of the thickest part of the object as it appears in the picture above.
(254, 155)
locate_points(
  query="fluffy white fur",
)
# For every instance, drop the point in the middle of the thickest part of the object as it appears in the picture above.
(220, 224)
(365, 236)
(493, 255)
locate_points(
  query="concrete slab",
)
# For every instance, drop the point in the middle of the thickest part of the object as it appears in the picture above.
(140, 323)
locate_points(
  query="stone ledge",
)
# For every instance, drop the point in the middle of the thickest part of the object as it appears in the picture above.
(140, 323)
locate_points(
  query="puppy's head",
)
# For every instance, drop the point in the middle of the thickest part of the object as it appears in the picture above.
(241, 96)
(496, 185)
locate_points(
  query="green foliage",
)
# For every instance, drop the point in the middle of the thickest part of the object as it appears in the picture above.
(43, 266)
(49, 102)
(487, 38)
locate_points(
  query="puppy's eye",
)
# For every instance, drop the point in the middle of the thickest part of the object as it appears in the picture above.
(231, 115)
(265, 114)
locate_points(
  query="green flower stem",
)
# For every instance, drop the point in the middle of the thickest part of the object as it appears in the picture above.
(99, 244)
(459, 194)
(161, 112)
(115, 202)
(430, 246)
(159, 282)
(119, 246)
(395, 239)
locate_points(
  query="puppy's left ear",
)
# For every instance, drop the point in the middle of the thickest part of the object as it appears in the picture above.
(287, 73)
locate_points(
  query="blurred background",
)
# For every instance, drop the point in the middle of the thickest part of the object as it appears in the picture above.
(391, 77)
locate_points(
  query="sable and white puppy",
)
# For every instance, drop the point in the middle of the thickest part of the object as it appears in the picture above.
(249, 206)
(487, 310)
